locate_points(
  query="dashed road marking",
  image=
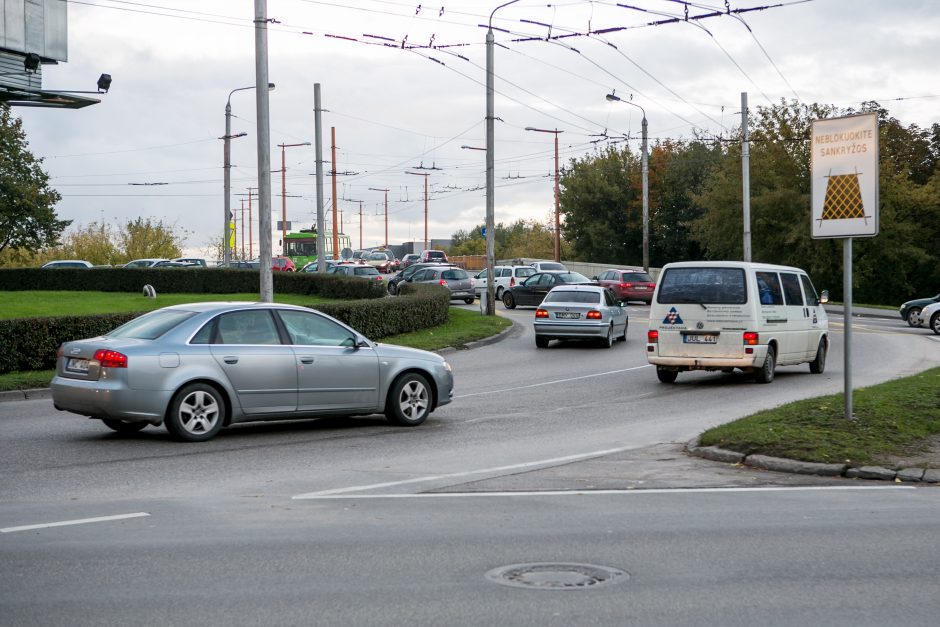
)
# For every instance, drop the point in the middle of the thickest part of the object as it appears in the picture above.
(80, 521)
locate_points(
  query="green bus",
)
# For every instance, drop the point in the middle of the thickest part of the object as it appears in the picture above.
(302, 247)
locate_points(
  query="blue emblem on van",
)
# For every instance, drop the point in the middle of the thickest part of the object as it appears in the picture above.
(673, 317)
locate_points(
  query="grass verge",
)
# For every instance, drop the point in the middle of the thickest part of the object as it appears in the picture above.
(464, 326)
(892, 419)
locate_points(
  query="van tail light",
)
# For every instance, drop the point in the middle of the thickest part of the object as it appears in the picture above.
(652, 336)
(541, 313)
(111, 359)
(751, 338)
(594, 315)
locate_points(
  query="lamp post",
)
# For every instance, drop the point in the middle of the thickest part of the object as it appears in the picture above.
(646, 199)
(226, 173)
(284, 195)
(490, 178)
(557, 218)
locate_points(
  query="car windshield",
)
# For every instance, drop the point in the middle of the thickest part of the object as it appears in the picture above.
(152, 325)
(551, 266)
(573, 277)
(378, 257)
(571, 296)
(368, 270)
(703, 285)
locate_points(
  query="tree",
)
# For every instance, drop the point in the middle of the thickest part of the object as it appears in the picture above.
(27, 204)
(94, 243)
(142, 239)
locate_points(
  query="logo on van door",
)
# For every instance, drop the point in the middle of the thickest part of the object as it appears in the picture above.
(673, 317)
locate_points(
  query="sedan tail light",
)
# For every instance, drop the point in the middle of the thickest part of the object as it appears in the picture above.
(541, 313)
(443, 282)
(111, 359)
(626, 286)
(594, 315)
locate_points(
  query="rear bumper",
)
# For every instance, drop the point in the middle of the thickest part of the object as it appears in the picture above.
(694, 362)
(109, 399)
(571, 329)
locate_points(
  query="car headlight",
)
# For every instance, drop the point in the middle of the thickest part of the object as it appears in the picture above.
(448, 367)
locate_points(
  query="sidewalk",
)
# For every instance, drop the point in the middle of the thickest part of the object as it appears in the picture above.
(863, 312)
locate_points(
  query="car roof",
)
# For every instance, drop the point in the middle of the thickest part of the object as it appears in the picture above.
(578, 287)
(215, 306)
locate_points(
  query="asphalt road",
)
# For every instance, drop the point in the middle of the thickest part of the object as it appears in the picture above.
(565, 455)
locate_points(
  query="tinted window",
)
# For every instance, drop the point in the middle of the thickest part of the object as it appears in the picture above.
(454, 275)
(791, 289)
(703, 285)
(768, 288)
(637, 277)
(522, 272)
(247, 327)
(571, 296)
(309, 329)
(152, 325)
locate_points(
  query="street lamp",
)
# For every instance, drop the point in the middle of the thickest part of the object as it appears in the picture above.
(490, 176)
(646, 199)
(557, 219)
(284, 195)
(227, 233)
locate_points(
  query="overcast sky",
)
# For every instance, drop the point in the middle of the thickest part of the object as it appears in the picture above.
(151, 148)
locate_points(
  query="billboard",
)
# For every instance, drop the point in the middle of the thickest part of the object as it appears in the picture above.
(844, 171)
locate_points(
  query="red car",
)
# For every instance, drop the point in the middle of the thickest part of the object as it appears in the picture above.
(282, 264)
(628, 284)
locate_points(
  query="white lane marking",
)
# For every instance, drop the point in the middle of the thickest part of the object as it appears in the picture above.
(600, 492)
(543, 383)
(467, 473)
(81, 521)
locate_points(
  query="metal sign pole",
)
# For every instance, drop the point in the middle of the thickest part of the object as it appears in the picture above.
(847, 315)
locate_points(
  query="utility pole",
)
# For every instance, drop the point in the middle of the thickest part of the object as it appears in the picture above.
(243, 228)
(746, 177)
(557, 218)
(425, 175)
(360, 224)
(264, 150)
(318, 130)
(251, 236)
(376, 189)
(335, 202)
(284, 194)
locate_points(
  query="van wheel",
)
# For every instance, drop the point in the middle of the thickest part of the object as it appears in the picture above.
(765, 374)
(935, 322)
(665, 375)
(819, 364)
(499, 293)
(509, 301)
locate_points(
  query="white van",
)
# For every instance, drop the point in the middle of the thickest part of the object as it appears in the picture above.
(722, 315)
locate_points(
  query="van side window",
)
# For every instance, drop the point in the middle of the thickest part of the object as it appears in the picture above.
(791, 288)
(811, 296)
(768, 288)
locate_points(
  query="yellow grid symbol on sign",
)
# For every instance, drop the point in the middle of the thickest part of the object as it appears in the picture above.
(843, 198)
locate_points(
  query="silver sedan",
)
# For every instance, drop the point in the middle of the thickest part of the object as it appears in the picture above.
(579, 312)
(199, 367)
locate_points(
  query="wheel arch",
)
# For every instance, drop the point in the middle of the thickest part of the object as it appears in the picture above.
(432, 384)
(226, 395)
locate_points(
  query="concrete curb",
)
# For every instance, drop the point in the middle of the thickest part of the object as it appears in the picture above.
(779, 464)
(499, 337)
(25, 395)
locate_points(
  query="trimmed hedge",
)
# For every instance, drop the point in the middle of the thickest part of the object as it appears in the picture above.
(31, 343)
(186, 280)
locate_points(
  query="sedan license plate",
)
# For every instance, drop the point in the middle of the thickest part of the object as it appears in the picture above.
(700, 339)
(568, 315)
(77, 365)
(640, 288)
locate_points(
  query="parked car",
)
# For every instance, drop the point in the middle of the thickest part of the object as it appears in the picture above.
(360, 256)
(193, 261)
(143, 263)
(531, 291)
(253, 264)
(722, 315)
(506, 276)
(910, 311)
(381, 259)
(929, 317)
(240, 362)
(313, 266)
(580, 312)
(356, 270)
(404, 275)
(409, 259)
(548, 266)
(282, 264)
(66, 263)
(453, 278)
(174, 264)
(438, 256)
(628, 284)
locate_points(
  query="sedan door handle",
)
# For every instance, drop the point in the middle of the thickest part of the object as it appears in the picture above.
(306, 360)
(230, 360)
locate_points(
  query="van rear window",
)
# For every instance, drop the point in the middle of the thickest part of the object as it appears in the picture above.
(723, 286)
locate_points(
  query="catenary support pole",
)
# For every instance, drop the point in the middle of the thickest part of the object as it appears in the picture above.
(746, 177)
(318, 131)
(264, 150)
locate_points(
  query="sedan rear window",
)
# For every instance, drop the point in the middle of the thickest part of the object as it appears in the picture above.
(454, 275)
(525, 271)
(638, 277)
(152, 325)
(571, 296)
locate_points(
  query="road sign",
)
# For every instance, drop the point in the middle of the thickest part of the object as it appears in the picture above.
(844, 174)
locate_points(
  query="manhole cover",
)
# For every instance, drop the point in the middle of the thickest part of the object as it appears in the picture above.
(553, 576)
